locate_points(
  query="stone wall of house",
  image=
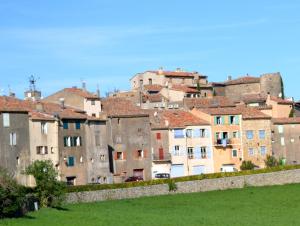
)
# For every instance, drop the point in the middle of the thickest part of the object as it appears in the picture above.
(275, 178)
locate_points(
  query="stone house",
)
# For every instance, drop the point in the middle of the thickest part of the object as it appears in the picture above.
(286, 139)
(128, 129)
(77, 98)
(181, 144)
(14, 139)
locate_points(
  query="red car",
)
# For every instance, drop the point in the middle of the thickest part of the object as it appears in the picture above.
(132, 179)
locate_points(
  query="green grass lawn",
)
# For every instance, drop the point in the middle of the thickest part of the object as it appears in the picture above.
(277, 205)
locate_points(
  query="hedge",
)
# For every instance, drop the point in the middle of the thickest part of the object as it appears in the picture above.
(95, 187)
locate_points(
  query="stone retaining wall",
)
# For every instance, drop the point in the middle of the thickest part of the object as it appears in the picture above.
(266, 179)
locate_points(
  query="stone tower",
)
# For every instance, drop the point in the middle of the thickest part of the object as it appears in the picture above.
(271, 83)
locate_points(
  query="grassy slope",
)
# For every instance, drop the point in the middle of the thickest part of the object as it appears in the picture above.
(277, 205)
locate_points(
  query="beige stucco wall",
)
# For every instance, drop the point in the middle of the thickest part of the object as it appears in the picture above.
(156, 79)
(38, 139)
(92, 109)
(255, 125)
(172, 95)
(191, 142)
(70, 99)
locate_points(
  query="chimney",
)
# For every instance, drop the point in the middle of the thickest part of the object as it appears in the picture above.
(178, 69)
(229, 78)
(62, 102)
(12, 94)
(98, 91)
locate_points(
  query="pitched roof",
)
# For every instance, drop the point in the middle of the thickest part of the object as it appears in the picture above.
(81, 92)
(243, 80)
(295, 120)
(153, 98)
(254, 98)
(155, 88)
(184, 88)
(41, 116)
(174, 119)
(280, 100)
(217, 101)
(11, 104)
(177, 73)
(246, 112)
(117, 106)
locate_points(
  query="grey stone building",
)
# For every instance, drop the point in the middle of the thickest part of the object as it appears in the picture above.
(128, 129)
(14, 139)
(286, 139)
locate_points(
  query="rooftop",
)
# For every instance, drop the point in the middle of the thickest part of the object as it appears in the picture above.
(295, 120)
(217, 101)
(81, 92)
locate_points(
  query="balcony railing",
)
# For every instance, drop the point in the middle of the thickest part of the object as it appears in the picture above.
(223, 142)
(162, 157)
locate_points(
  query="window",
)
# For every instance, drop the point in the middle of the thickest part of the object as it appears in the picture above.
(202, 133)
(77, 124)
(65, 125)
(102, 157)
(42, 150)
(262, 134)
(280, 128)
(140, 153)
(189, 133)
(6, 121)
(190, 153)
(44, 127)
(263, 150)
(218, 120)
(150, 81)
(141, 82)
(71, 180)
(81, 159)
(71, 161)
(282, 141)
(92, 102)
(203, 152)
(67, 141)
(250, 151)
(176, 150)
(119, 155)
(249, 134)
(13, 139)
(231, 119)
(93, 115)
(234, 153)
(97, 138)
(158, 136)
(77, 141)
(235, 134)
(178, 133)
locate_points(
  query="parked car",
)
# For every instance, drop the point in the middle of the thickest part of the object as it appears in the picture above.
(132, 179)
(162, 175)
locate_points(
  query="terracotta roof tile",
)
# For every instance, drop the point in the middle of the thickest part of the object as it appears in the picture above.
(12, 104)
(153, 98)
(295, 120)
(251, 98)
(177, 73)
(117, 106)
(155, 88)
(82, 93)
(243, 80)
(184, 88)
(280, 100)
(218, 101)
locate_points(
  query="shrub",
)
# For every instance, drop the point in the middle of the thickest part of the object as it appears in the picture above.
(172, 185)
(12, 196)
(49, 191)
(247, 165)
(271, 161)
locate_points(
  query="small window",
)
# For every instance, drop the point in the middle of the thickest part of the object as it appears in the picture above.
(249, 134)
(77, 141)
(235, 134)
(102, 157)
(77, 125)
(280, 128)
(13, 139)
(92, 102)
(81, 159)
(42, 150)
(140, 154)
(282, 142)
(178, 133)
(176, 150)
(203, 152)
(219, 120)
(189, 133)
(119, 155)
(234, 153)
(65, 125)
(150, 81)
(71, 161)
(44, 127)
(262, 134)
(231, 119)
(202, 133)
(158, 136)
(190, 152)
(94, 115)
(263, 150)
(250, 151)
(67, 142)
(6, 120)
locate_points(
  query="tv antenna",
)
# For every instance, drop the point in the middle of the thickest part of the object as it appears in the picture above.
(32, 83)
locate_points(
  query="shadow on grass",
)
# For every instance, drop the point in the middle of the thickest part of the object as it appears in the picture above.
(60, 208)
(28, 217)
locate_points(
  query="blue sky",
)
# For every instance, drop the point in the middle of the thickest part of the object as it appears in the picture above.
(107, 42)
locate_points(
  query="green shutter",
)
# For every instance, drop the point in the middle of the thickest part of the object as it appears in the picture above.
(237, 120)
(215, 118)
(223, 120)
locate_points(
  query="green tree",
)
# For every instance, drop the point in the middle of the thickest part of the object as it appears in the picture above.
(12, 196)
(282, 88)
(271, 161)
(49, 191)
(247, 165)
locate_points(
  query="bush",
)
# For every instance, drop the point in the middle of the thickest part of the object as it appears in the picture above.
(172, 185)
(271, 161)
(48, 190)
(12, 196)
(247, 165)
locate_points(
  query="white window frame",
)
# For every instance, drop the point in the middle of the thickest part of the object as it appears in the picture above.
(44, 127)
(6, 119)
(13, 139)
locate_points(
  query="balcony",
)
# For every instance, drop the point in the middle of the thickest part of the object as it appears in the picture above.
(223, 142)
(161, 157)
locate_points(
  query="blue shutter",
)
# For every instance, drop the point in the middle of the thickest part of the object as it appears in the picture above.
(197, 133)
(197, 152)
(237, 119)
(207, 133)
(208, 152)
